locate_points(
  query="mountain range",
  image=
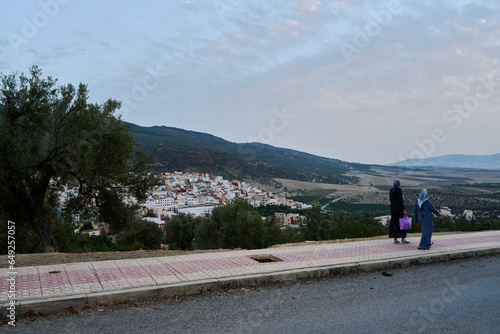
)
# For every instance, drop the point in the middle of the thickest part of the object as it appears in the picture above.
(455, 161)
(174, 149)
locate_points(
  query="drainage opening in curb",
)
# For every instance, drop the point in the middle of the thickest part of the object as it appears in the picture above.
(265, 258)
(54, 272)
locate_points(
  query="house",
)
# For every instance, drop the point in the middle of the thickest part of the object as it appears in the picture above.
(468, 214)
(287, 219)
(383, 219)
(160, 203)
(445, 211)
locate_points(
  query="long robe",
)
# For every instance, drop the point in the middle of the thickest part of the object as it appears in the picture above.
(423, 215)
(397, 207)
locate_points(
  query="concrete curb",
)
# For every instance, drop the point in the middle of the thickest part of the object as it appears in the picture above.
(79, 301)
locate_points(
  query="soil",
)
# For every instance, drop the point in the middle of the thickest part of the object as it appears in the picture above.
(40, 259)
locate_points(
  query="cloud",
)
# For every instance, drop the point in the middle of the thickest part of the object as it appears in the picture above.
(223, 70)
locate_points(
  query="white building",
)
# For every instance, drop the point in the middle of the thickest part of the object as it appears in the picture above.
(197, 210)
(445, 211)
(155, 220)
(160, 203)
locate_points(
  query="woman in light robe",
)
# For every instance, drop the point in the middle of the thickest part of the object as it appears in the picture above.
(422, 211)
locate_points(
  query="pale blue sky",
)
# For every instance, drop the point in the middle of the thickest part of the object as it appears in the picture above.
(361, 81)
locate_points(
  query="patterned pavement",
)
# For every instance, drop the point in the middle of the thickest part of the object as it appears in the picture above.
(42, 282)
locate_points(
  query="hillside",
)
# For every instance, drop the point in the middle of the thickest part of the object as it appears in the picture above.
(176, 149)
(455, 161)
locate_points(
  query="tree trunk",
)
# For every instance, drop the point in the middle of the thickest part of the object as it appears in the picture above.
(42, 228)
(37, 215)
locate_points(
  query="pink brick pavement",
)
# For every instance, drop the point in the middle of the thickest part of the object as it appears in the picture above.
(76, 278)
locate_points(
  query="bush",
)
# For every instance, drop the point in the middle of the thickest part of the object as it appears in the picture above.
(236, 225)
(207, 235)
(145, 233)
(319, 226)
(180, 231)
(87, 226)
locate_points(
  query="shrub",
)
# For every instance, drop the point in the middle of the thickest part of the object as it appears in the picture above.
(145, 233)
(180, 231)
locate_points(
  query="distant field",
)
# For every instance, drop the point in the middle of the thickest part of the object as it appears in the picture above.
(382, 177)
(349, 207)
(310, 199)
(320, 189)
(458, 189)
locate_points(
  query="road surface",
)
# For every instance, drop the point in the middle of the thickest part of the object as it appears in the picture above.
(452, 297)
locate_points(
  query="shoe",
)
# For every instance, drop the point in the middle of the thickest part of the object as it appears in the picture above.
(396, 241)
(405, 241)
(422, 248)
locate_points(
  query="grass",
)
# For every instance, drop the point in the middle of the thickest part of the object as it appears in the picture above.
(349, 207)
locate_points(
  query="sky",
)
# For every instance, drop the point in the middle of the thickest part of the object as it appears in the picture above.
(362, 81)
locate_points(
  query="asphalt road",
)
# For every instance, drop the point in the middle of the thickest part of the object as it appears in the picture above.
(452, 297)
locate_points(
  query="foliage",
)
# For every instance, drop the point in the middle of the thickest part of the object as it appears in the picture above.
(86, 226)
(239, 225)
(236, 225)
(99, 243)
(142, 234)
(51, 135)
(180, 231)
(319, 226)
(272, 232)
(445, 224)
(207, 234)
(290, 235)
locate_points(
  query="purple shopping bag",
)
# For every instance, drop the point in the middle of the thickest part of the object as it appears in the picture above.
(405, 223)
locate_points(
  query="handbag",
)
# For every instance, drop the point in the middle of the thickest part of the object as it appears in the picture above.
(405, 223)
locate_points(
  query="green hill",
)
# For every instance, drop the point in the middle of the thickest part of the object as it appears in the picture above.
(175, 149)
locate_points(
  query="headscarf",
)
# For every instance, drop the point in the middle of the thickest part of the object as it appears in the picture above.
(397, 183)
(424, 196)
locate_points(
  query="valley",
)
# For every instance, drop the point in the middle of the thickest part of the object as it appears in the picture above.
(458, 189)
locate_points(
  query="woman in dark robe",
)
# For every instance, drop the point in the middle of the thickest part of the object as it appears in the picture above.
(397, 211)
(422, 211)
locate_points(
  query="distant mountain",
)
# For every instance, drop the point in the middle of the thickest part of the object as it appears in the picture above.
(455, 161)
(175, 149)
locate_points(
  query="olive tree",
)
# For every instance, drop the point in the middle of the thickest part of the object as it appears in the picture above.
(51, 135)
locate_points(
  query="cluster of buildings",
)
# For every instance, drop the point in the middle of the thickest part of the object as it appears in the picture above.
(198, 194)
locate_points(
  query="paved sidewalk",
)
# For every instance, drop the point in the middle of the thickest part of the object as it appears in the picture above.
(52, 288)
